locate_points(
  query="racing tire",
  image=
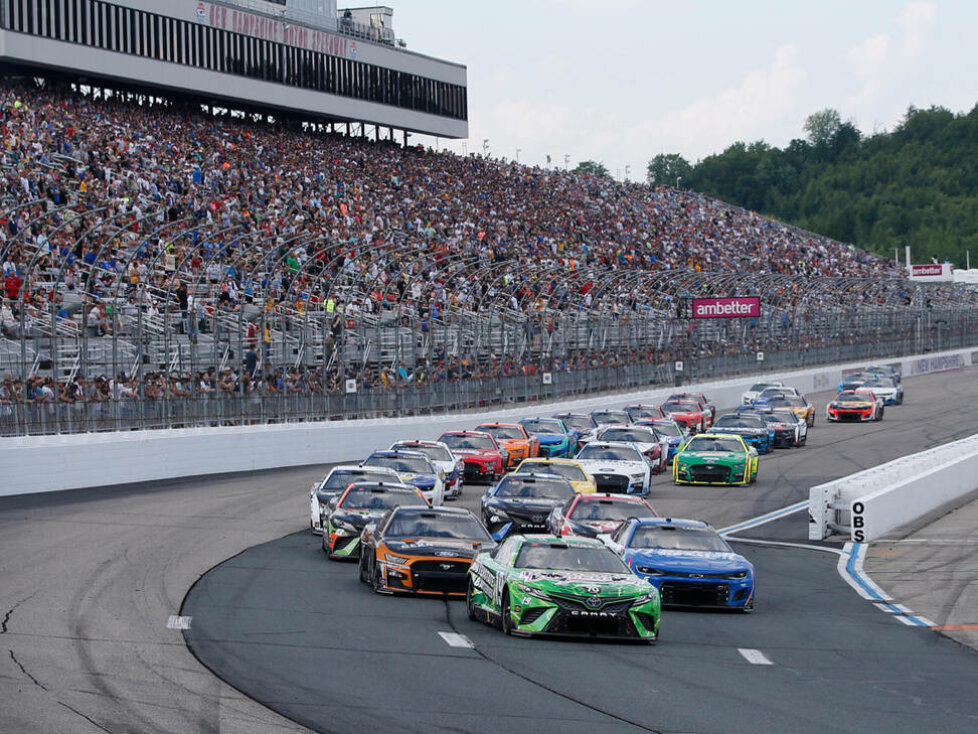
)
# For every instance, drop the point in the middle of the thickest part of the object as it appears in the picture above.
(881, 415)
(506, 621)
(325, 546)
(362, 569)
(470, 609)
(375, 577)
(753, 478)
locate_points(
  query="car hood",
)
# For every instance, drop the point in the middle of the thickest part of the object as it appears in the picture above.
(357, 518)
(525, 506)
(583, 583)
(741, 430)
(712, 455)
(477, 453)
(550, 437)
(599, 526)
(445, 547)
(690, 561)
(606, 466)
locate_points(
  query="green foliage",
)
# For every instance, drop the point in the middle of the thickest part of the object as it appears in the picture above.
(917, 185)
(598, 169)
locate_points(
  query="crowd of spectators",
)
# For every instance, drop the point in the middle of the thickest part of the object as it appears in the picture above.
(116, 207)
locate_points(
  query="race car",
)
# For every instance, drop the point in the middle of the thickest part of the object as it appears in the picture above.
(854, 405)
(332, 485)
(569, 469)
(716, 458)
(610, 418)
(654, 447)
(547, 585)
(687, 561)
(362, 503)
(616, 467)
(885, 387)
(513, 437)
(671, 431)
(699, 398)
(414, 550)
(555, 438)
(854, 380)
(483, 459)
(444, 460)
(688, 413)
(754, 390)
(884, 370)
(639, 412)
(789, 429)
(580, 423)
(521, 503)
(749, 426)
(412, 468)
(593, 514)
(797, 404)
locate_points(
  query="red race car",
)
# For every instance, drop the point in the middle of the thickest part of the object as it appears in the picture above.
(688, 413)
(592, 514)
(485, 460)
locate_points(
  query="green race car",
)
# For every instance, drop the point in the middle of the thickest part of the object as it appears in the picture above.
(547, 585)
(715, 458)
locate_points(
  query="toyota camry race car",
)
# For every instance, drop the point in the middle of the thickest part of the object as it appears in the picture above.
(593, 514)
(360, 504)
(546, 585)
(447, 464)
(513, 437)
(855, 405)
(687, 561)
(335, 482)
(521, 503)
(412, 468)
(421, 551)
(616, 467)
(720, 458)
(484, 460)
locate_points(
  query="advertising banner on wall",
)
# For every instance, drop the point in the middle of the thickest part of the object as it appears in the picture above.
(726, 308)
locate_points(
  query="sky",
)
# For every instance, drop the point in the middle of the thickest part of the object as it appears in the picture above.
(620, 81)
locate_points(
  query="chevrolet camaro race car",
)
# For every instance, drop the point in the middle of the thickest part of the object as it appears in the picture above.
(363, 503)
(484, 460)
(334, 482)
(569, 469)
(593, 514)
(555, 438)
(451, 466)
(688, 413)
(616, 467)
(413, 468)
(855, 405)
(546, 585)
(754, 390)
(687, 561)
(720, 458)
(415, 550)
(749, 426)
(514, 438)
(521, 503)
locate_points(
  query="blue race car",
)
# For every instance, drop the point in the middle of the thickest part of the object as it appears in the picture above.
(749, 426)
(556, 439)
(687, 561)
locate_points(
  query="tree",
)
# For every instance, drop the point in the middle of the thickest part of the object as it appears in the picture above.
(822, 126)
(598, 169)
(665, 168)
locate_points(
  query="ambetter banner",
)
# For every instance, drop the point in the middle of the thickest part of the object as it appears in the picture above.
(726, 308)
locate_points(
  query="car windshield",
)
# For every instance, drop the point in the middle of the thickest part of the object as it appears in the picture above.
(849, 396)
(342, 479)
(779, 402)
(578, 422)
(609, 453)
(502, 431)
(569, 557)
(680, 406)
(795, 401)
(675, 537)
(732, 420)
(712, 443)
(542, 488)
(879, 382)
(542, 425)
(668, 429)
(402, 464)
(435, 453)
(639, 435)
(436, 525)
(571, 472)
(466, 441)
(773, 392)
(759, 386)
(614, 417)
(372, 499)
(588, 509)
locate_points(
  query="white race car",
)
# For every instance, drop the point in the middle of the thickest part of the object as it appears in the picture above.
(616, 467)
(756, 389)
(653, 446)
(444, 460)
(334, 482)
(413, 468)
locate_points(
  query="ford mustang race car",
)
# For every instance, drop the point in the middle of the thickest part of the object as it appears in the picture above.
(332, 485)
(715, 459)
(687, 561)
(749, 426)
(521, 503)
(513, 437)
(593, 514)
(855, 405)
(546, 585)
(616, 467)
(360, 504)
(444, 460)
(555, 438)
(421, 551)
(484, 460)
(886, 388)
(569, 469)
(412, 468)
(654, 447)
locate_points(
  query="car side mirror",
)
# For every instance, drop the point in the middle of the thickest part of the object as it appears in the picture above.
(333, 503)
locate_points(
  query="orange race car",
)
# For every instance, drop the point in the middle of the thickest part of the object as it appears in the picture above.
(514, 438)
(420, 550)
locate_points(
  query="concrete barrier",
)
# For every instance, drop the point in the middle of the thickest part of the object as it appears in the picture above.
(75, 461)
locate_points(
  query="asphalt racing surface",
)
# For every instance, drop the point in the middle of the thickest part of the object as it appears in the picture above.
(95, 593)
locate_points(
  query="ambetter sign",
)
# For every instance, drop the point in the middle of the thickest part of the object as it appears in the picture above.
(726, 308)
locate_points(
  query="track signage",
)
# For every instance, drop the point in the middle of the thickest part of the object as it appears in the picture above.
(726, 308)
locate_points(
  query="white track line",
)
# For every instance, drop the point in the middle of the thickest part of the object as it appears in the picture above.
(454, 639)
(765, 518)
(754, 657)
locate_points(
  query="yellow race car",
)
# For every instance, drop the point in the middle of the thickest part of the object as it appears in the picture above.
(569, 469)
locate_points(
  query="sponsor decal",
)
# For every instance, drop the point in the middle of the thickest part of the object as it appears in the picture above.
(726, 308)
(936, 364)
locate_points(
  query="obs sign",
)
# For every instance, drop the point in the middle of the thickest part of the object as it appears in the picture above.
(726, 308)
